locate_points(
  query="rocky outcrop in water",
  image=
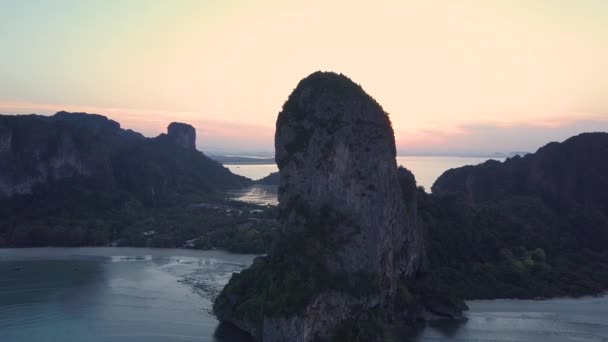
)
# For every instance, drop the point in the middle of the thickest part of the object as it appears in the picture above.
(350, 243)
(36, 151)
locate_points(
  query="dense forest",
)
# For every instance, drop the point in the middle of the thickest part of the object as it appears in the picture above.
(69, 213)
(510, 248)
(532, 226)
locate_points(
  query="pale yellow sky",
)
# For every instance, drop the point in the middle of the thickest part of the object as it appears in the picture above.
(448, 72)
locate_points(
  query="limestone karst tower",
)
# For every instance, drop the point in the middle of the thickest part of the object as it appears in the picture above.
(347, 241)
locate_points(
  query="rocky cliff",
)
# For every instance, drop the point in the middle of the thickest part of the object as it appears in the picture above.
(532, 226)
(37, 151)
(350, 243)
(182, 134)
(570, 174)
(335, 150)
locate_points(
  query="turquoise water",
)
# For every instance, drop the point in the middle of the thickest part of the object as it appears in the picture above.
(139, 294)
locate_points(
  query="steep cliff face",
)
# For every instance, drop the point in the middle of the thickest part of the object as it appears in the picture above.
(530, 226)
(568, 174)
(349, 234)
(36, 151)
(335, 150)
(182, 134)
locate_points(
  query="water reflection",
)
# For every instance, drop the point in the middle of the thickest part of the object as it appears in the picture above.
(256, 194)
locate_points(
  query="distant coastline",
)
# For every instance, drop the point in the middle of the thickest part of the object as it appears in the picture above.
(230, 159)
(426, 168)
(248, 160)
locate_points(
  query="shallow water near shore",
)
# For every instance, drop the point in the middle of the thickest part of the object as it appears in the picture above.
(140, 294)
(113, 294)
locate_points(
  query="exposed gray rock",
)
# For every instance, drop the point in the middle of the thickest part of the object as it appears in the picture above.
(182, 134)
(344, 202)
(35, 151)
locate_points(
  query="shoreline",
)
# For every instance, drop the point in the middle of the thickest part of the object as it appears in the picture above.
(3, 258)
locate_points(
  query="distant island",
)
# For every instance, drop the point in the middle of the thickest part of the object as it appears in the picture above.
(230, 159)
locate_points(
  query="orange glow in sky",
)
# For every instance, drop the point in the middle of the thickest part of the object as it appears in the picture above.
(456, 76)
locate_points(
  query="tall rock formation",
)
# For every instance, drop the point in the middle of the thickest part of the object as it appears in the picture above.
(182, 134)
(349, 237)
(335, 150)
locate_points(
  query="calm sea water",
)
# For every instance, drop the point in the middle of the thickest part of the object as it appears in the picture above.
(253, 171)
(426, 170)
(131, 294)
(113, 294)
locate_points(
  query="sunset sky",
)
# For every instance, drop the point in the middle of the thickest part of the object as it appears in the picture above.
(469, 76)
